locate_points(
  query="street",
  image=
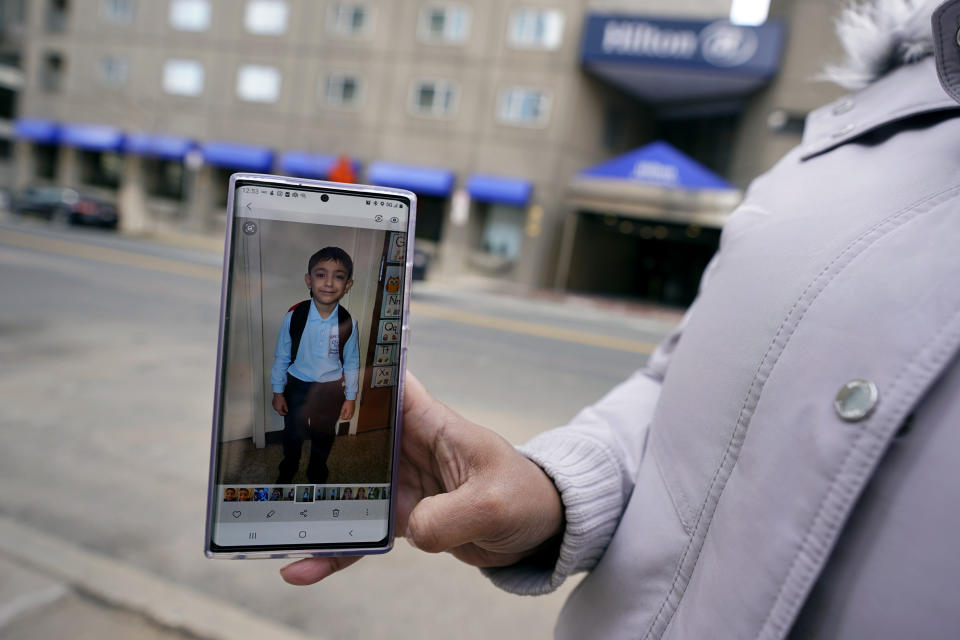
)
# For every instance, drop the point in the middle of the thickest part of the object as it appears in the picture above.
(108, 350)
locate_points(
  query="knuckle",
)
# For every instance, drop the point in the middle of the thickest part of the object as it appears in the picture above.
(493, 505)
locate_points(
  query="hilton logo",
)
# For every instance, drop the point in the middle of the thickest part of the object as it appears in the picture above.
(726, 45)
(720, 44)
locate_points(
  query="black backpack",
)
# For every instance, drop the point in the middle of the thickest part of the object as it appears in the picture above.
(299, 320)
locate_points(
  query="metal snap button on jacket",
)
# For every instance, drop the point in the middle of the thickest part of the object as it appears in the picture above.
(843, 106)
(856, 400)
(842, 131)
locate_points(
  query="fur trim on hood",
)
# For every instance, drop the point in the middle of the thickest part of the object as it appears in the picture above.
(878, 36)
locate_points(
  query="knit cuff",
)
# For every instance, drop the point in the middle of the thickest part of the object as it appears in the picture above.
(588, 476)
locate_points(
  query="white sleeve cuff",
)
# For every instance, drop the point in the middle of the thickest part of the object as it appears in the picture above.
(588, 476)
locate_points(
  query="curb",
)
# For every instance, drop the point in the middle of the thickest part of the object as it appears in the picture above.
(161, 601)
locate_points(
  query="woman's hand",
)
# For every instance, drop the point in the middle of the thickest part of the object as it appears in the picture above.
(460, 488)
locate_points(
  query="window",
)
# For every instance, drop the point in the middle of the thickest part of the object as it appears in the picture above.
(444, 23)
(51, 72)
(190, 15)
(524, 106)
(257, 83)
(13, 13)
(101, 168)
(58, 15)
(119, 11)
(113, 71)
(183, 77)
(502, 230)
(349, 19)
(8, 103)
(342, 90)
(536, 28)
(164, 178)
(433, 98)
(266, 17)
(45, 158)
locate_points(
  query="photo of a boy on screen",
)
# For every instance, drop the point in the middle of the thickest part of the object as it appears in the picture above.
(316, 366)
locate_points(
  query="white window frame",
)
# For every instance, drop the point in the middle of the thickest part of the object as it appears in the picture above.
(524, 32)
(267, 17)
(113, 71)
(510, 106)
(175, 70)
(339, 24)
(259, 83)
(453, 32)
(435, 110)
(190, 15)
(335, 99)
(113, 13)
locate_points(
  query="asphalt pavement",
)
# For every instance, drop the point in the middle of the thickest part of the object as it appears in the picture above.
(107, 346)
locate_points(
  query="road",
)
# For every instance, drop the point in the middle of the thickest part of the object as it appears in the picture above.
(107, 356)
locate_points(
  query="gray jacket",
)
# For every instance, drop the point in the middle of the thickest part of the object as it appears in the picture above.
(727, 490)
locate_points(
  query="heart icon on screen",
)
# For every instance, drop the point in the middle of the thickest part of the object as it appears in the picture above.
(237, 514)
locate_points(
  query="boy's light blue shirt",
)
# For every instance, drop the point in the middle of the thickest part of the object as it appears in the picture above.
(318, 358)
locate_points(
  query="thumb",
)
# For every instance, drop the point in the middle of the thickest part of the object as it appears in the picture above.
(447, 520)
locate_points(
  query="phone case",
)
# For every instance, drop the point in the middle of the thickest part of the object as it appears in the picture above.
(406, 274)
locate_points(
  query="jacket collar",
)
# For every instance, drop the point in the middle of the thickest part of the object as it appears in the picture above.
(907, 91)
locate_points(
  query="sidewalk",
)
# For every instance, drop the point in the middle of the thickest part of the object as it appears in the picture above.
(50, 589)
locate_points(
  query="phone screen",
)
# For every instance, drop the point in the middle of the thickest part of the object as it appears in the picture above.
(310, 367)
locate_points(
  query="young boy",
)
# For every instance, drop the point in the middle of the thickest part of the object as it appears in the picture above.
(316, 365)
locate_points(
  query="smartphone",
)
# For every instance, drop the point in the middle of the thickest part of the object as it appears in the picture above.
(310, 362)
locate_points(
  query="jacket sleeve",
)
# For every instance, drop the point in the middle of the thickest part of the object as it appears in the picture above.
(281, 356)
(351, 364)
(593, 462)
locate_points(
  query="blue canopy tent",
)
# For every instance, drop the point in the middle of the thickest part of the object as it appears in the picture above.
(656, 181)
(658, 164)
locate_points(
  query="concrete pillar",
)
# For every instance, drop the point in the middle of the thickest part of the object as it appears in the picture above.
(457, 238)
(24, 164)
(199, 198)
(565, 259)
(68, 167)
(134, 215)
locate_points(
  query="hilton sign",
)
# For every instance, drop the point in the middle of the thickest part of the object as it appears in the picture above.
(676, 60)
(720, 43)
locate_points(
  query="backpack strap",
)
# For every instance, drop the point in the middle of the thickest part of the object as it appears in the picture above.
(297, 323)
(344, 328)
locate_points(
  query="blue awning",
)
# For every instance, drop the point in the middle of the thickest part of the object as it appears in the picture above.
(94, 137)
(658, 164)
(486, 188)
(421, 180)
(37, 130)
(238, 156)
(157, 145)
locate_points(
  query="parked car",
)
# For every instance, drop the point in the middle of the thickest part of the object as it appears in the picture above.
(66, 206)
